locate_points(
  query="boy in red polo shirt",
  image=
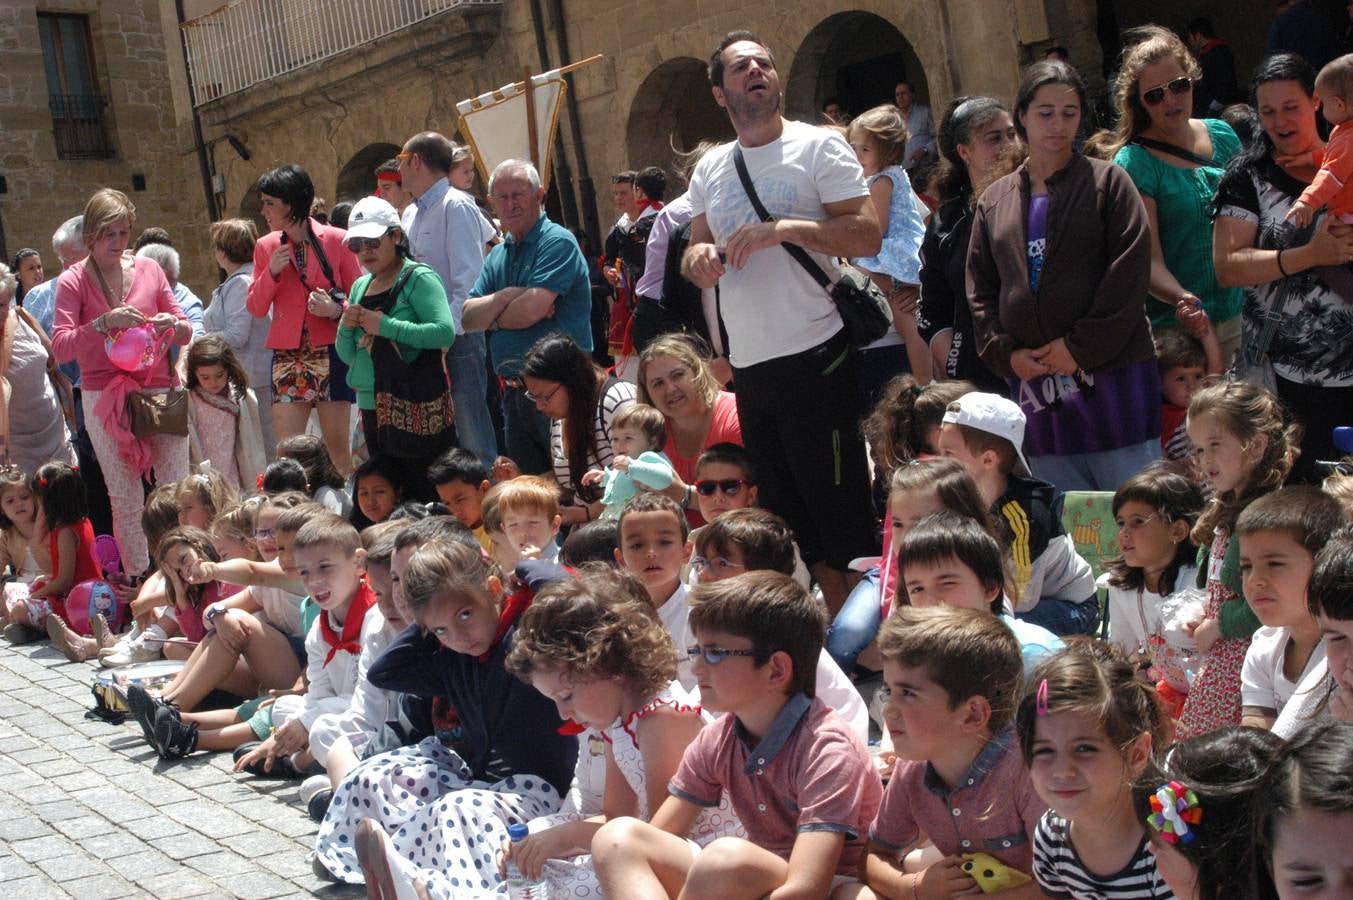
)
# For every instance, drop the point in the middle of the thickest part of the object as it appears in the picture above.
(952, 678)
(800, 780)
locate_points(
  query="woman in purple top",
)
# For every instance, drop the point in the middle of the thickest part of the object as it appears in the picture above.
(1058, 268)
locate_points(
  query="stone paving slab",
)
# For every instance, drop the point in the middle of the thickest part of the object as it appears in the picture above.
(90, 812)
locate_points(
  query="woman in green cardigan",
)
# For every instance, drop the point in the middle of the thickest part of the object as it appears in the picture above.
(404, 302)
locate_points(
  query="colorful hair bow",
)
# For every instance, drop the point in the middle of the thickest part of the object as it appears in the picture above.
(1041, 699)
(259, 481)
(1174, 808)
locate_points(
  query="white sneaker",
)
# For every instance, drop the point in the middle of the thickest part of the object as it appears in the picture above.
(131, 649)
(313, 785)
(124, 642)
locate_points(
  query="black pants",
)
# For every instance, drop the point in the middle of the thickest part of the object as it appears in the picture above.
(1320, 410)
(800, 423)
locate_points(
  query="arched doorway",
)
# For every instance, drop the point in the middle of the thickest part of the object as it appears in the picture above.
(673, 111)
(856, 58)
(251, 208)
(358, 178)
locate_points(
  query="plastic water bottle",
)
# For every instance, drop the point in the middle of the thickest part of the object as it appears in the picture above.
(519, 887)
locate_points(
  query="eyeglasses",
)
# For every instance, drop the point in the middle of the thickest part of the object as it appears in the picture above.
(1181, 85)
(713, 655)
(718, 564)
(543, 398)
(263, 534)
(356, 245)
(728, 486)
(1136, 522)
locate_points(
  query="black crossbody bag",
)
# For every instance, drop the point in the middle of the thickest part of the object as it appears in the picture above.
(863, 308)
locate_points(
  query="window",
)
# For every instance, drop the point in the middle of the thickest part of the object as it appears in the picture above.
(77, 108)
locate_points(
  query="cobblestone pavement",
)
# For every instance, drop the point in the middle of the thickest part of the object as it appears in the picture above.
(88, 811)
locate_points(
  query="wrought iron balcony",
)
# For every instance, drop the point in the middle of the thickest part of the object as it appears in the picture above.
(78, 126)
(248, 42)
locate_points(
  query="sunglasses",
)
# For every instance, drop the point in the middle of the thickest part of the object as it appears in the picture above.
(713, 655)
(356, 245)
(728, 486)
(1181, 85)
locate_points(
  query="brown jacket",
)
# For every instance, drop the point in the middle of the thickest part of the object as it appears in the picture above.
(1096, 269)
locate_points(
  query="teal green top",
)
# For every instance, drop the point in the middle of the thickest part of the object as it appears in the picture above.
(419, 320)
(1182, 195)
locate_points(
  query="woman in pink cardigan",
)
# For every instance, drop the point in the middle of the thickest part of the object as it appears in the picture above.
(295, 266)
(109, 291)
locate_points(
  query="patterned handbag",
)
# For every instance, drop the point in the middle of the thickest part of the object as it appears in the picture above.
(414, 413)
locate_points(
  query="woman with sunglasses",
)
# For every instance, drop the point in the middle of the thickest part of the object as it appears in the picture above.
(400, 301)
(1176, 162)
(676, 378)
(302, 272)
(1299, 274)
(581, 400)
(1057, 275)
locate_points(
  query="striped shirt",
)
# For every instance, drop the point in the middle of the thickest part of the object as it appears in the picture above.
(619, 394)
(1061, 873)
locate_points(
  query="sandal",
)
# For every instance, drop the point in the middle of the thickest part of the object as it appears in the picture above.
(71, 645)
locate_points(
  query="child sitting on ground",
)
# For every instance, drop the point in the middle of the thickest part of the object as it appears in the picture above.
(22, 550)
(1330, 597)
(905, 425)
(63, 511)
(376, 491)
(1052, 585)
(1151, 584)
(201, 496)
(461, 481)
(324, 482)
(798, 777)
(952, 678)
(596, 647)
(329, 560)
(653, 545)
(1087, 728)
(142, 642)
(1280, 535)
(528, 508)
(638, 434)
(753, 540)
(1185, 364)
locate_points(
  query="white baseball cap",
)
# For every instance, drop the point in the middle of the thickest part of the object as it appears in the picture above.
(993, 414)
(372, 217)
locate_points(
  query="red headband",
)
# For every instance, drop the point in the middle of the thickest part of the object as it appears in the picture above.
(390, 176)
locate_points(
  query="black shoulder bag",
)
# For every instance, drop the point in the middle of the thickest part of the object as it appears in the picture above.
(414, 413)
(863, 308)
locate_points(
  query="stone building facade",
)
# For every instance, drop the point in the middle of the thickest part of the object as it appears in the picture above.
(86, 100)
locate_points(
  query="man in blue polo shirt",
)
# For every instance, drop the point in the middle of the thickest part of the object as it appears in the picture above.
(533, 284)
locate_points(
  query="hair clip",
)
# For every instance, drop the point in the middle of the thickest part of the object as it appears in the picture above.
(1041, 699)
(42, 482)
(75, 469)
(259, 481)
(1174, 808)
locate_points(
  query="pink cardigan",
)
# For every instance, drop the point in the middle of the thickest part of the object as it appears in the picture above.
(80, 300)
(286, 296)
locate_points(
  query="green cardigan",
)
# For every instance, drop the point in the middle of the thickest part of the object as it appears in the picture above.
(420, 320)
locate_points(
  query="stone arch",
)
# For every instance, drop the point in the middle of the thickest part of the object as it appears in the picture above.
(855, 56)
(672, 111)
(357, 179)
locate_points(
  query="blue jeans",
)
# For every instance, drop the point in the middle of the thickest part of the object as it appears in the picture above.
(857, 623)
(1102, 471)
(527, 432)
(1063, 617)
(469, 387)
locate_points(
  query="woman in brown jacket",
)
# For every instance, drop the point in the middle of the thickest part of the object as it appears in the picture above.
(1058, 267)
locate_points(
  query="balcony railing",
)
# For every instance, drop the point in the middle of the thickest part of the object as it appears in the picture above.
(251, 41)
(78, 126)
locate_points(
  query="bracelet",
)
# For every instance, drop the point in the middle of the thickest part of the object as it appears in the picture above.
(1286, 274)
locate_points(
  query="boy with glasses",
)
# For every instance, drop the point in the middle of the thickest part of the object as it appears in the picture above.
(800, 780)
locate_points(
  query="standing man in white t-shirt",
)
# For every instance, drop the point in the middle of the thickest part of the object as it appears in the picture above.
(793, 368)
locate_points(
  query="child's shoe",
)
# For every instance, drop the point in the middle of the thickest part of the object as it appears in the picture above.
(143, 709)
(103, 635)
(172, 738)
(19, 633)
(317, 793)
(131, 648)
(71, 645)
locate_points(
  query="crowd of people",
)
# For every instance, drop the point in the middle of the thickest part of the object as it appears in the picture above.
(747, 594)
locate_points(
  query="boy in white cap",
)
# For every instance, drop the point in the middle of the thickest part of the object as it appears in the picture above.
(1054, 586)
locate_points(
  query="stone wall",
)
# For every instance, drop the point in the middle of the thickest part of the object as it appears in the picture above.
(132, 72)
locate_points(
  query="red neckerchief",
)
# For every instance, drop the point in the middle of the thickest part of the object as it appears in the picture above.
(513, 607)
(646, 203)
(1212, 44)
(350, 640)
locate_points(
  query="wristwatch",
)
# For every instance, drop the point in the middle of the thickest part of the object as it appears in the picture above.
(215, 610)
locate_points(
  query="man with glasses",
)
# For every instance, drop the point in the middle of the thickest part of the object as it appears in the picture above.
(447, 231)
(533, 284)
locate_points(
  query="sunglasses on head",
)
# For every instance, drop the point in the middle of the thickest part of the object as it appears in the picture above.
(1181, 85)
(729, 486)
